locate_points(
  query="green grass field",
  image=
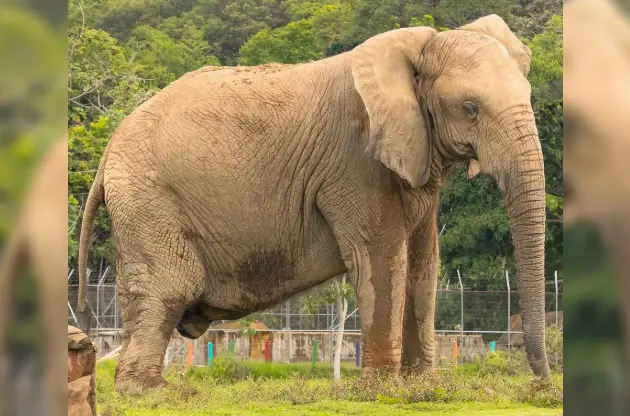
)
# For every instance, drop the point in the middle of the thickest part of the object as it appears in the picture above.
(232, 387)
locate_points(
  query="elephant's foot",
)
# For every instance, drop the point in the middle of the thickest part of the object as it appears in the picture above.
(139, 383)
(368, 373)
(372, 372)
(420, 366)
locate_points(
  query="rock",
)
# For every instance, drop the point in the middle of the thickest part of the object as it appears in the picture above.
(79, 403)
(81, 375)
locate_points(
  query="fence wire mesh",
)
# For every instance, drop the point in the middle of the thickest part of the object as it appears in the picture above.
(465, 305)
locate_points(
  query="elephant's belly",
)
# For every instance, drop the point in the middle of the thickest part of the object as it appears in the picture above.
(265, 271)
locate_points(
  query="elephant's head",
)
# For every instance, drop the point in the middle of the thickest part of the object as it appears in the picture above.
(463, 95)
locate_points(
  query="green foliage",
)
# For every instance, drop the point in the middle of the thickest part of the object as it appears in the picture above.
(530, 17)
(426, 20)
(454, 13)
(86, 145)
(545, 73)
(163, 59)
(306, 39)
(294, 43)
(326, 294)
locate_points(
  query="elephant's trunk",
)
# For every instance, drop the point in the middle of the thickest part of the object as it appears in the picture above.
(523, 183)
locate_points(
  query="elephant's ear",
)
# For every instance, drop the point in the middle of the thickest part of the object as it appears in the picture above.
(383, 69)
(496, 27)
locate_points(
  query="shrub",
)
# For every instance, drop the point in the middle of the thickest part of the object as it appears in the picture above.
(554, 344)
(300, 392)
(540, 392)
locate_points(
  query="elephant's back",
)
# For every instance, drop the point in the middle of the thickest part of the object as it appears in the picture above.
(209, 77)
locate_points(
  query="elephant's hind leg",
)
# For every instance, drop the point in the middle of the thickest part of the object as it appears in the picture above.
(159, 277)
(140, 366)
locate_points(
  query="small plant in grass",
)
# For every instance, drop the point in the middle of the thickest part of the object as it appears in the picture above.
(426, 388)
(540, 392)
(554, 344)
(300, 392)
(495, 363)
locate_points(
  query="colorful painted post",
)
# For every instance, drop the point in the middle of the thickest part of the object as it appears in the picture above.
(492, 346)
(267, 351)
(190, 354)
(358, 353)
(314, 355)
(231, 346)
(454, 350)
(210, 354)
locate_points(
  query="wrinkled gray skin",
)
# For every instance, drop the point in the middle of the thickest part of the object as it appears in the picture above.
(233, 189)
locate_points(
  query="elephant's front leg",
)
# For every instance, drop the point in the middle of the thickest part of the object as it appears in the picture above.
(419, 319)
(378, 274)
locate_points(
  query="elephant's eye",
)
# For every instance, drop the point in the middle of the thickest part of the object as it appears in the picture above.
(471, 109)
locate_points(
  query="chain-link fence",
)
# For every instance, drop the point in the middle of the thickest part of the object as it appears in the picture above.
(483, 309)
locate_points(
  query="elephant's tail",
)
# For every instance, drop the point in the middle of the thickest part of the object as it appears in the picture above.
(94, 200)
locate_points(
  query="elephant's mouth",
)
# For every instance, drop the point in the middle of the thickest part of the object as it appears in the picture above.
(465, 152)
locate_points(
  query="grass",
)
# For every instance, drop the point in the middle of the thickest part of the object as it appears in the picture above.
(232, 387)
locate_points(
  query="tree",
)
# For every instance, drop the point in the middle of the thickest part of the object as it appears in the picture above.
(85, 147)
(337, 291)
(530, 17)
(455, 13)
(306, 39)
(101, 80)
(291, 44)
(341, 290)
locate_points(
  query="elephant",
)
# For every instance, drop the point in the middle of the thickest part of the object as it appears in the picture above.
(235, 188)
(39, 242)
(596, 131)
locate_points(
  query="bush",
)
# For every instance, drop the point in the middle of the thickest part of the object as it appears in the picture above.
(555, 345)
(539, 392)
(515, 362)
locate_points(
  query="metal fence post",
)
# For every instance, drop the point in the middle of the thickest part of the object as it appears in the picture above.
(461, 301)
(507, 280)
(115, 306)
(76, 322)
(287, 315)
(314, 353)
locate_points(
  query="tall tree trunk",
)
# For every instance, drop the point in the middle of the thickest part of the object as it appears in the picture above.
(342, 309)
